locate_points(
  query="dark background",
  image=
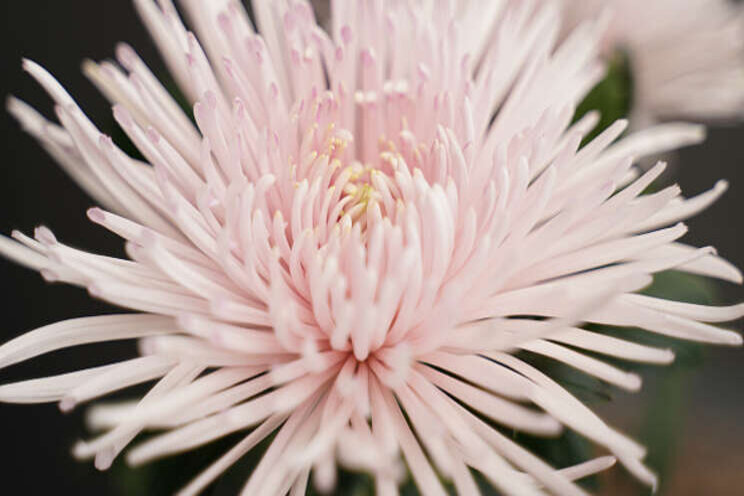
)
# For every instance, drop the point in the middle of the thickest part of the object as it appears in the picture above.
(36, 440)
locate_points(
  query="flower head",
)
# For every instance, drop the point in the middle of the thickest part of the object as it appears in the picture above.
(686, 56)
(354, 237)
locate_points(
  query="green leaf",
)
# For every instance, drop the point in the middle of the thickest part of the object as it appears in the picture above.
(612, 97)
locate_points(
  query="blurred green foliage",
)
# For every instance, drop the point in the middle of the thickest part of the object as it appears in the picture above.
(612, 97)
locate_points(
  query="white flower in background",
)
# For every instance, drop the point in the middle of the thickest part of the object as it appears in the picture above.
(353, 239)
(686, 56)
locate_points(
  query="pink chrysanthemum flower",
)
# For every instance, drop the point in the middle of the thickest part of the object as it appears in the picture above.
(354, 238)
(686, 56)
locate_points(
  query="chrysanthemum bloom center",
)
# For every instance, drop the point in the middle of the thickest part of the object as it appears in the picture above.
(355, 229)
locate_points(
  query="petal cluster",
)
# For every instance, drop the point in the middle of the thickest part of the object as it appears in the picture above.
(350, 241)
(687, 56)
